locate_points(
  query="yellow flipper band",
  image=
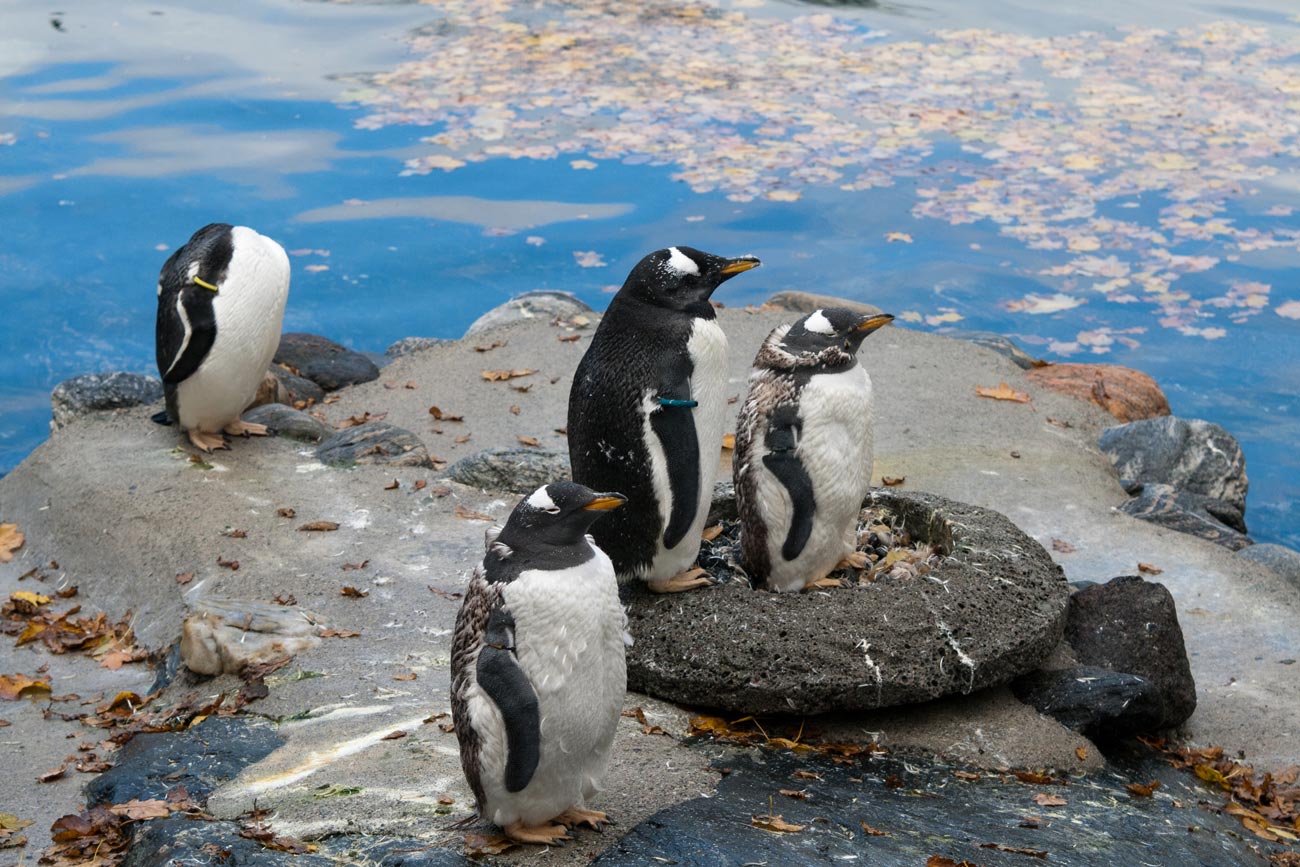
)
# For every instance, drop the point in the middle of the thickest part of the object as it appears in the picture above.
(198, 281)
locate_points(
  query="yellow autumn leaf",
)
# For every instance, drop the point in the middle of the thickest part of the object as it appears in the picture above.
(775, 823)
(10, 540)
(1002, 392)
(16, 686)
(27, 597)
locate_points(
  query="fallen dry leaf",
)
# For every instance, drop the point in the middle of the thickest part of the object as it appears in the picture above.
(1149, 569)
(711, 533)
(285, 512)
(528, 441)
(1002, 392)
(775, 823)
(358, 420)
(967, 776)
(353, 593)
(392, 486)
(502, 375)
(55, 773)
(464, 438)
(488, 347)
(10, 541)
(478, 845)
(568, 338)
(874, 832)
(471, 515)
(232, 565)
(136, 809)
(892, 481)
(115, 659)
(729, 442)
(1063, 546)
(515, 409)
(184, 577)
(441, 415)
(394, 736)
(16, 686)
(797, 794)
(353, 567)
(1033, 853)
(410, 675)
(1139, 790)
(1043, 799)
(1059, 423)
(1081, 752)
(318, 527)
(940, 861)
(339, 633)
(806, 775)
(232, 533)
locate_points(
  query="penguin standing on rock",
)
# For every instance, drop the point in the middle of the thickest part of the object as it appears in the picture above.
(646, 413)
(537, 667)
(221, 301)
(804, 447)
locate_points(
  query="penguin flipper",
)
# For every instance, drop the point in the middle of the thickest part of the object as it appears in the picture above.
(499, 675)
(782, 461)
(185, 331)
(674, 423)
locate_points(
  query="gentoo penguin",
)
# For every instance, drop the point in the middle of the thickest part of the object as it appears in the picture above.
(537, 669)
(220, 304)
(646, 413)
(804, 446)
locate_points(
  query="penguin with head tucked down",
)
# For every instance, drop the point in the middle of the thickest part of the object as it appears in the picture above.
(537, 667)
(646, 413)
(221, 301)
(804, 447)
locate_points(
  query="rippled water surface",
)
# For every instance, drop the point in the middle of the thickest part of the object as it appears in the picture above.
(1117, 184)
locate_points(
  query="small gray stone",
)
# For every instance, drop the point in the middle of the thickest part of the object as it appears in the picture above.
(289, 422)
(1191, 455)
(539, 304)
(298, 387)
(1096, 702)
(1281, 559)
(407, 345)
(1194, 514)
(517, 470)
(993, 609)
(323, 361)
(375, 442)
(999, 343)
(1130, 625)
(806, 302)
(96, 392)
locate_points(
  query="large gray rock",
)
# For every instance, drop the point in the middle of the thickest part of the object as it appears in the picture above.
(1130, 625)
(999, 343)
(1190, 455)
(1281, 559)
(519, 470)
(992, 610)
(1102, 704)
(323, 361)
(543, 304)
(297, 387)
(97, 392)
(806, 302)
(375, 442)
(1197, 514)
(289, 422)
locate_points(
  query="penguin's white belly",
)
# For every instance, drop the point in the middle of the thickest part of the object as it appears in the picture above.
(569, 628)
(249, 317)
(836, 449)
(708, 351)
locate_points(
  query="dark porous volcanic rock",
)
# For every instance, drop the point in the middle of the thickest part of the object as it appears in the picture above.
(1130, 625)
(1127, 394)
(289, 422)
(546, 304)
(999, 343)
(200, 758)
(1096, 702)
(1195, 514)
(323, 361)
(375, 442)
(1281, 559)
(1190, 455)
(798, 301)
(992, 610)
(519, 471)
(178, 841)
(96, 392)
(297, 387)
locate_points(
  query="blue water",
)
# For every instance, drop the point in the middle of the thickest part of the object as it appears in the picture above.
(123, 131)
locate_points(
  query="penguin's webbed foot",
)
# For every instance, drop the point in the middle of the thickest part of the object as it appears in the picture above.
(593, 819)
(547, 835)
(239, 427)
(856, 560)
(207, 441)
(687, 580)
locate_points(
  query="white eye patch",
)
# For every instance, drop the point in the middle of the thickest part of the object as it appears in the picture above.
(542, 501)
(681, 263)
(818, 323)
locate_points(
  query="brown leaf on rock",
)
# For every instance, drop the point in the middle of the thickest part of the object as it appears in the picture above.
(1044, 799)
(55, 773)
(432, 718)
(463, 438)
(711, 533)
(1033, 853)
(502, 375)
(967, 776)
(1140, 790)
(775, 823)
(10, 541)
(488, 347)
(353, 593)
(232, 565)
(1063, 546)
(441, 415)
(1149, 569)
(471, 515)
(515, 409)
(115, 659)
(638, 714)
(409, 675)
(874, 832)
(358, 420)
(940, 861)
(1002, 391)
(1058, 422)
(528, 441)
(568, 338)
(392, 486)
(284, 599)
(16, 686)
(420, 484)
(136, 809)
(353, 567)
(286, 512)
(394, 736)
(338, 633)
(1081, 752)
(232, 533)
(892, 481)
(797, 794)
(479, 845)
(318, 527)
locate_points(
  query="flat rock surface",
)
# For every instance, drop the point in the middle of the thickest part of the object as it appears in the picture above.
(992, 609)
(115, 500)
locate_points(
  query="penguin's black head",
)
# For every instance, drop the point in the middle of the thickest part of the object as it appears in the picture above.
(683, 278)
(832, 326)
(557, 514)
(203, 261)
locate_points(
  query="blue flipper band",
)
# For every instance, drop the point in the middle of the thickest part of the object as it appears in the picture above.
(671, 401)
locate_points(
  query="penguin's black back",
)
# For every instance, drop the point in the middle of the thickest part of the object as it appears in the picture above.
(607, 447)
